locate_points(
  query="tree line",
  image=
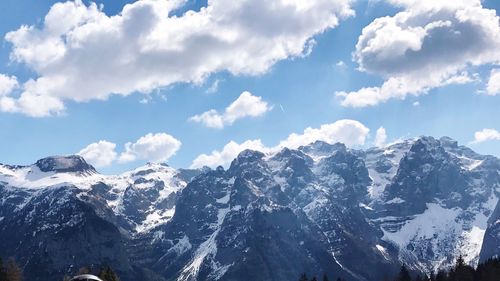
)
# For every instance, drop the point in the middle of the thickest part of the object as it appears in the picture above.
(11, 271)
(303, 277)
(486, 271)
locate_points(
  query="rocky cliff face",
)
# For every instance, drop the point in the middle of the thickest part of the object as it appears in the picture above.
(322, 208)
(437, 205)
(60, 214)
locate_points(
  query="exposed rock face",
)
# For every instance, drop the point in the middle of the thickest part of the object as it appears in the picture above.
(491, 242)
(60, 214)
(321, 208)
(65, 164)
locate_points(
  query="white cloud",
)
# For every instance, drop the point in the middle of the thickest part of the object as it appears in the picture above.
(151, 147)
(210, 119)
(99, 154)
(7, 84)
(493, 87)
(486, 135)
(397, 88)
(227, 154)
(246, 105)
(30, 103)
(214, 87)
(380, 137)
(36, 105)
(429, 44)
(79, 53)
(417, 103)
(350, 132)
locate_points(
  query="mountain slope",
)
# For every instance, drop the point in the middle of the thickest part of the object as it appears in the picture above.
(321, 208)
(70, 216)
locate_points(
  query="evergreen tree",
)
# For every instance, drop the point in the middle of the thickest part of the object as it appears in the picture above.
(489, 270)
(325, 278)
(107, 274)
(3, 276)
(404, 275)
(84, 270)
(314, 279)
(441, 276)
(12, 271)
(303, 277)
(462, 271)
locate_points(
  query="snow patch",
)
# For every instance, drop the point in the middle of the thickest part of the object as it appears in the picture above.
(395, 200)
(207, 249)
(224, 200)
(182, 246)
(383, 251)
(157, 217)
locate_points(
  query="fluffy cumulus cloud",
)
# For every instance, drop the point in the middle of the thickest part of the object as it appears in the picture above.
(429, 44)
(486, 135)
(151, 147)
(350, 132)
(380, 137)
(7, 85)
(79, 53)
(246, 105)
(227, 154)
(99, 154)
(493, 87)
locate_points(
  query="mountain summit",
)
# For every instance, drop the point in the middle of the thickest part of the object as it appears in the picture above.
(321, 208)
(65, 164)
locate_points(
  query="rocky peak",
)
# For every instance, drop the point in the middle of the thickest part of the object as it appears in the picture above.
(321, 148)
(448, 142)
(65, 164)
(247, 160)
(292, 157)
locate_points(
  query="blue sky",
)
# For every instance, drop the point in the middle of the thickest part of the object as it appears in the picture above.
(296, 90)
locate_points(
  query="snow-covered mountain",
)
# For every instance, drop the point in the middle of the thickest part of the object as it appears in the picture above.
(322, 208)
(60, 213)
(136, 201)
(437, 205)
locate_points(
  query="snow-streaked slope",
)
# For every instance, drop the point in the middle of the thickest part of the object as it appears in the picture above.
(458, 191)
(72, 171)
(382, 164)
(355, 214)
(31, 177)
(442, 231)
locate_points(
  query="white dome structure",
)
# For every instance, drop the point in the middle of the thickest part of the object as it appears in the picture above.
(86, 277)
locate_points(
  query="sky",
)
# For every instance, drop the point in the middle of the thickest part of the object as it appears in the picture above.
(193, 83)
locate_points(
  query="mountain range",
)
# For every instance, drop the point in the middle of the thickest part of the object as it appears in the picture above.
(320, 209)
